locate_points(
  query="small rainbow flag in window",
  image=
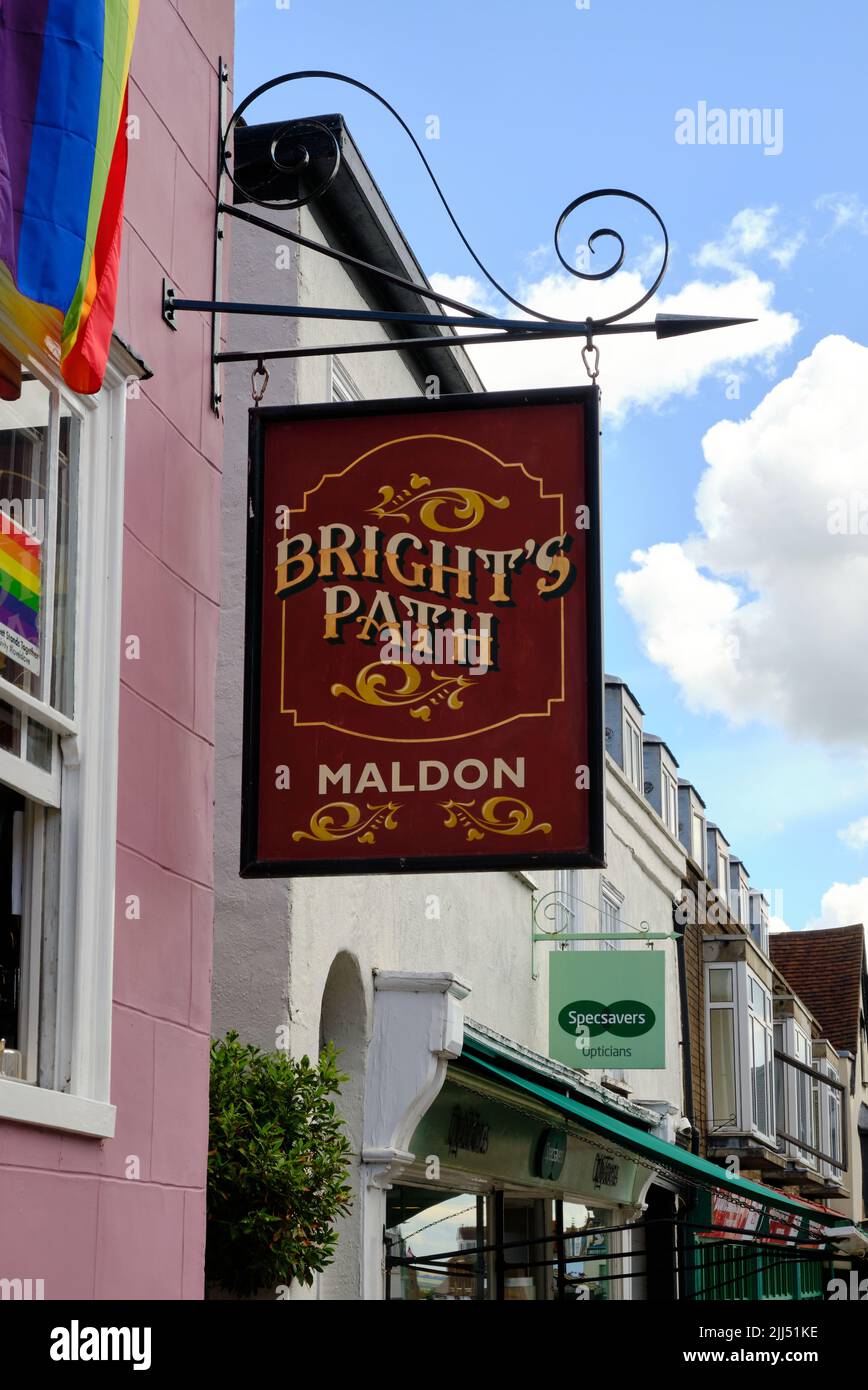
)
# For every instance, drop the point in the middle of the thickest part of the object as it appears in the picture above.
(64, 68)
(20, 589)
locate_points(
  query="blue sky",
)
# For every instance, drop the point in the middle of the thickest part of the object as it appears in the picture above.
(540, 102)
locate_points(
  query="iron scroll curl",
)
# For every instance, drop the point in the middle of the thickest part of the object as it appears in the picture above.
(301, 159)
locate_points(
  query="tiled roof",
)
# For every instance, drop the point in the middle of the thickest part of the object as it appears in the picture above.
(825, 968)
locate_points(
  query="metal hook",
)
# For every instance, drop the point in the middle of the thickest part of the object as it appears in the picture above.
(259, 370)
(590, 352)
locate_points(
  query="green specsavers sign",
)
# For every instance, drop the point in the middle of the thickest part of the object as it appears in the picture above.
(607, 1009)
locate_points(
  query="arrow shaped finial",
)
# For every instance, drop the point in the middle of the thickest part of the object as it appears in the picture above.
(674, 325)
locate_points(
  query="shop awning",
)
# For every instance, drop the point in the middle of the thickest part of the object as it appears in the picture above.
(643, 1144)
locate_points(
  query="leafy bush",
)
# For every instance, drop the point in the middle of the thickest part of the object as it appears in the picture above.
(278, 1162)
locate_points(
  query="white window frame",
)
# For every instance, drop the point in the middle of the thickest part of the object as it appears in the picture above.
(700, 859)
(669, 800)
(611, 902)
(342, 386)
(797, 1044)
(826, 1101)
(85, 787)
(632, 742)
(739, 903)
(744, 1016)
(723, 875)
(759, 922)
(731, 1005)
(765, 1021)
(569, 908)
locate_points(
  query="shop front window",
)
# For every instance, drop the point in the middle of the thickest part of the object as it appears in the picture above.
(524, 1220)
(431, 1239)
(472, 1247)
(586, 1253)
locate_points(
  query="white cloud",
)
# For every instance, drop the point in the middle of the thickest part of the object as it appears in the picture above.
(855, 835)
(777, 924)
(751, 231)
(843, 905)
(468, 290)
(748, 232)
(636, 370)
(847, 209)
(761, 615)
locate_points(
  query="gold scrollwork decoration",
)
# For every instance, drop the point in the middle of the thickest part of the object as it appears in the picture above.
(467, 505)
(372, 688)
(493, 817)
(325, 825)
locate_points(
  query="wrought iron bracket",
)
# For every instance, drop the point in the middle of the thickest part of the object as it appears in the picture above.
(533, 326)
(553, 905)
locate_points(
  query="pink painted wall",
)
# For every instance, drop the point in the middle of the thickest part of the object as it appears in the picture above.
(68, 1212)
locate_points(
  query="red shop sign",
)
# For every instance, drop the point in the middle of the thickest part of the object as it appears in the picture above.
(423, 684)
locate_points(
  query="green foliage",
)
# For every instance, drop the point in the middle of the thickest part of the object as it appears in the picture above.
(277, 1167)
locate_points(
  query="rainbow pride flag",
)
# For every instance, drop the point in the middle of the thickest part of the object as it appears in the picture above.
(64, 70)
(20, 590)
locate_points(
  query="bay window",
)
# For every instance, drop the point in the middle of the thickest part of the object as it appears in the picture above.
(828, 1121)
(61, 491)
(759, 1007)
(722, 1046)
(798, 1102)
(740, 1051)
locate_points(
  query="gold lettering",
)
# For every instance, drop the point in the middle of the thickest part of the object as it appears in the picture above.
(304, 559)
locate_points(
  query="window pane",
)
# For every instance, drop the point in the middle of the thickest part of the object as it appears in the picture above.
(66, 553)
(39, 745)
(834, 1124)
(11, 908)
(720, 986)
(723, 1092)
(610, 921)
(23, 491)
(423, 1224)
(10, 729)
(760, 1077)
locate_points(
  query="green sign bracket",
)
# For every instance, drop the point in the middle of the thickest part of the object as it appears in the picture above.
(555, 907)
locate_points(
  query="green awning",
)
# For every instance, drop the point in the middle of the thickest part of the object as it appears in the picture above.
(646, 1145)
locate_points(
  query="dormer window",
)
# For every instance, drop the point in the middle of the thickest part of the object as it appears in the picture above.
(718, 862)
(739, 895)
(692, 824)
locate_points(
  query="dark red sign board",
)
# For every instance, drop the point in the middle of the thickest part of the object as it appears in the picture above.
(423, 682)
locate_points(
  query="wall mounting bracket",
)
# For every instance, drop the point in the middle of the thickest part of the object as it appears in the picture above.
(478, 325)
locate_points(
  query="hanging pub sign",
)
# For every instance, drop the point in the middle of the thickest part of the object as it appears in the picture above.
(607, 1009)
(423, 654)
